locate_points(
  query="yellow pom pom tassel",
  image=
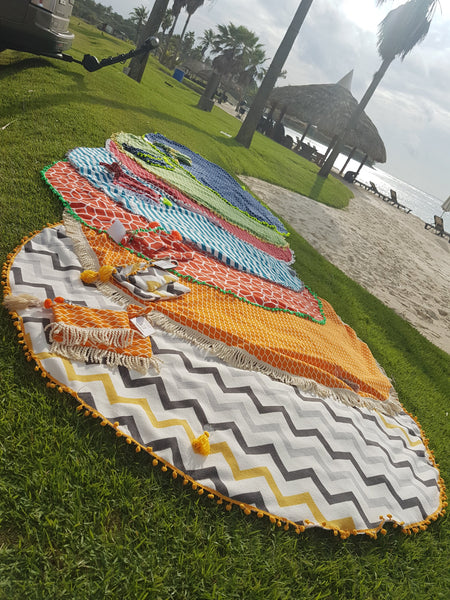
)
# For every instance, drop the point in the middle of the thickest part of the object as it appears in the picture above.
(201, 444)
(106, 272)
(88, 276)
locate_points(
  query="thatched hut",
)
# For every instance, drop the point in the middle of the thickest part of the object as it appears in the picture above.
(329, 107)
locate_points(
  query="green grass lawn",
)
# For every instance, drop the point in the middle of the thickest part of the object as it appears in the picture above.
(81, 515)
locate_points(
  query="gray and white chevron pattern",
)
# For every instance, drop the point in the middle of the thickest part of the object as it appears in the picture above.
(304, 459)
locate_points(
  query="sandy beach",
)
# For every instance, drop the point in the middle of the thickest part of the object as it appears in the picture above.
(385, 250)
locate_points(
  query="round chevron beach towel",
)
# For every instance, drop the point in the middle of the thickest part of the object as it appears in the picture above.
(239, 437)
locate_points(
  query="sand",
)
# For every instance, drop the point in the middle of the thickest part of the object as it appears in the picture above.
(385, 250)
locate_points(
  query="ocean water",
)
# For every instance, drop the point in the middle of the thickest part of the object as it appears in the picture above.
(422, 204)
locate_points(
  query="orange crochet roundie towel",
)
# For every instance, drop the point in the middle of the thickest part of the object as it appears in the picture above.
(283, 345)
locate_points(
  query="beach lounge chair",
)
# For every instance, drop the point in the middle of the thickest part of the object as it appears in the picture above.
(373, 188)
(366, 186)
(438, 227)
(393, 200)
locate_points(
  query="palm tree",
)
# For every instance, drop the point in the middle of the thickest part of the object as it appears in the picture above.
(191, 6)
(138, 63)
(176, 9)
(254, 58)
(186, 47)
(239, 39)
(398, 33)
(167, 21)
(139, 15)
(207, 40)
(248, 127)
(233, 46)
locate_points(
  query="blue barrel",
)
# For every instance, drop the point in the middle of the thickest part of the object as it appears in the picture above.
(178, 74)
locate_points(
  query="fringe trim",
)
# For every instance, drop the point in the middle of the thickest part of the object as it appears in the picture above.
(120, 337)
(241, 359)
(84, 354)
(84, 252)
(116, 294)
(21, 301)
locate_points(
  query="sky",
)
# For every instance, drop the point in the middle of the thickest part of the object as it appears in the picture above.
(411, 107)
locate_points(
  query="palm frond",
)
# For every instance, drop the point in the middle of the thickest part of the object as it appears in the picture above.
(404, 27)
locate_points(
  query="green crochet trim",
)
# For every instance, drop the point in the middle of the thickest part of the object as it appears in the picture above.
(285, 310)
(144, 156)
(174, 154)
(187, 277)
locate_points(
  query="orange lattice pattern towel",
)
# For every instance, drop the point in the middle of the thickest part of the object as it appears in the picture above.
(330, 354)
(110, 253)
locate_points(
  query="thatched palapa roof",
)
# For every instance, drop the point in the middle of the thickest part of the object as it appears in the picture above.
(329, 107)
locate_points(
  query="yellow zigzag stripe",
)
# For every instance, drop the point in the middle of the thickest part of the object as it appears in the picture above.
(223, 448)
(302, 498)
(114, 398)
(392, 426)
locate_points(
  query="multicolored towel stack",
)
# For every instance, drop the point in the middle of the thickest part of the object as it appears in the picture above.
(166, 304)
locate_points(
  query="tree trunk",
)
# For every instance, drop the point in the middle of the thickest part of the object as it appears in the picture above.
(138, 63)
(328, 164)
(307, 128)
(248, 127)
(180, 41)
(185, 27)
(206, 101)
(167, 41)
(362, 163)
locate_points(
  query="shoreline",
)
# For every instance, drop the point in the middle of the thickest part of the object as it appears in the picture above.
(385, 250)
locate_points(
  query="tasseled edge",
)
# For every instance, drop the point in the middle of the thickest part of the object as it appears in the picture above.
(71, 335)
(21, 302)
(84, 252)
(86, 353)
(89, 261)
(103, 275)
(241, 359)
(229, 503)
